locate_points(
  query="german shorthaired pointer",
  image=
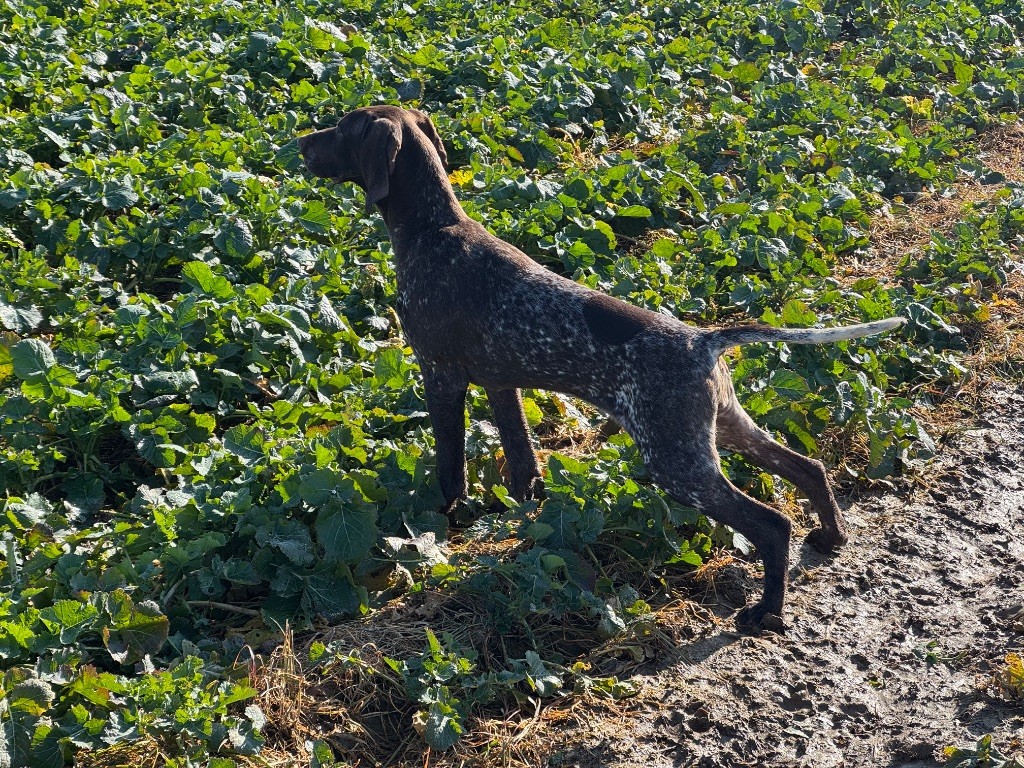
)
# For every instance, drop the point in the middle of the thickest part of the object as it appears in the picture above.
(476, 309)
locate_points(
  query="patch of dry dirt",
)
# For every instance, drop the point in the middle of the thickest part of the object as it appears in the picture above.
(891, 645)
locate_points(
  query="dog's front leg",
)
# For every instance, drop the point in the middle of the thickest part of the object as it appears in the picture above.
(446, 404)
(523, 471)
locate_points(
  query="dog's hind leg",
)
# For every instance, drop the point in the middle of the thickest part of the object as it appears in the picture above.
(737, 432)
(507, 405)
(445, 394)
(681, 456)
(766, 528)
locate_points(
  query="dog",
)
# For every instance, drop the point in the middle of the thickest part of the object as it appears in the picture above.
(475, 309)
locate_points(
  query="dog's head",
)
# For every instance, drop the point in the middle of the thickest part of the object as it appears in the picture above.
(364, 147)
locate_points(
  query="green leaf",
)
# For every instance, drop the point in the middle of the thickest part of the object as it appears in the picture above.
(534, 415)
(795, 312)
(563, 467)
(319, 485)
(634, 211)
(327, 319)
(346, 532)
(745, 72)
(199, 275)
(169, 382)
(389, 367)
(543, 680)
(70, 618)
(32, 358)
(247, 443)
(288, 156)
(118, 195)
(788, 384)
(56, 138)
(19, 319)
(332, 593)
(135, 631)
(964, 73)
(315, 217)
(321, 755)
(32, 696)
(442, 728)
(47, 751)
(292, 538)
(234, 238)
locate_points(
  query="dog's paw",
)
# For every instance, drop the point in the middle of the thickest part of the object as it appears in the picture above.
(461, 512)
(826, 541)
(757, 618)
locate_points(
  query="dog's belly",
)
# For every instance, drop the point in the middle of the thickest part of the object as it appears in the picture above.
(580, 371)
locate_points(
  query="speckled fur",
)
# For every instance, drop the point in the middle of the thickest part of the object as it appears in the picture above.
(476, 309)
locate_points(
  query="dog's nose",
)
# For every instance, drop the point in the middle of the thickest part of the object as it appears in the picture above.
(304, 144)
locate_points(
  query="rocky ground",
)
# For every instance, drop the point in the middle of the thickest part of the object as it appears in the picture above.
(891, 646)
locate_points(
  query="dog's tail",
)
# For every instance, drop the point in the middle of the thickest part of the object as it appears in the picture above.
(725, 338)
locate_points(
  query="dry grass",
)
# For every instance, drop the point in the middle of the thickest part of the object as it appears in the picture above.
(898, 235)
(144, 753)
(1002, 150)
(906, 229)
(357, 704)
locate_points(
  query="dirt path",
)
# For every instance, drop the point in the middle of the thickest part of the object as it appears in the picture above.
(891, 644)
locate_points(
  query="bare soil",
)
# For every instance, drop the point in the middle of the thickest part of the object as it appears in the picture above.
(891, 645)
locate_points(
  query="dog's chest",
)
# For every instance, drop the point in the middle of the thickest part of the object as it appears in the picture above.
(435, 321)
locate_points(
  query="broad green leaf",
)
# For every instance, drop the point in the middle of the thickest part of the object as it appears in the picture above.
(315, 217)
(47, 751)
(562, 467)
(70, 618)
(745, 72)
(19, 319)
(543, 680)
(634, 211)
(247, 443)
(317, 486)
(789, 384)
(31, 696)
(234, 238)
(389, 367)
(795, 312)
(201, 277)
(346, 532)
(141, 633)
(326, 318)
(964, 73)
(56, 138)
(118, 195)
(321, 755)
(534, 415)
(292, 538)
(169, 382)
(288, 157)
(32, 358)
(332, 593)
(442, 727)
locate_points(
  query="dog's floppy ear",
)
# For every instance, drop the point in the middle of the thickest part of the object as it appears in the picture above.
(424, 124)
(382, 138)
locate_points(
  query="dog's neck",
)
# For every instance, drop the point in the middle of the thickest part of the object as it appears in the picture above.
(420, 197)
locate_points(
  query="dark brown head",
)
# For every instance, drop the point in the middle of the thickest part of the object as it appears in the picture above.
(364, 147)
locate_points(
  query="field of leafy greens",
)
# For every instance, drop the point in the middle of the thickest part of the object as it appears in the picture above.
(211, 428)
